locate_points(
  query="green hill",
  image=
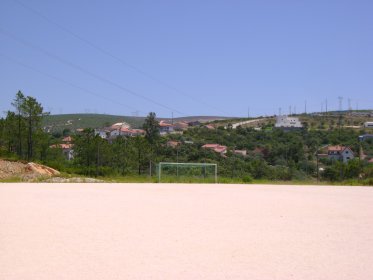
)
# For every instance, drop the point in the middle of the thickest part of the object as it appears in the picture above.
(57, 123)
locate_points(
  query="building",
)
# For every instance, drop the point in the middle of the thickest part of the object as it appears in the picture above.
(195, 123)
(209, 126)
(288, 123)
(173, 144)
(119, 125)
(67, 139)
(240, 152)
(124, 131)
(368, 124)
(365, 137)
(340, 153)
(165, 128)
(181, 126)
(67, 150)
(103, 133)
(216, 148)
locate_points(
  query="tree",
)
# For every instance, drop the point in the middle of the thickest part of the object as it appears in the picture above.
(151, 127)
(33, 113)
(142, 149)
(18, 103)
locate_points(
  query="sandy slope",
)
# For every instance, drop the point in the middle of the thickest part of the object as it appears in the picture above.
(131, 231)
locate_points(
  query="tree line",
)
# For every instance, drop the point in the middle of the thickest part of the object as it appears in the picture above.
(21, 133)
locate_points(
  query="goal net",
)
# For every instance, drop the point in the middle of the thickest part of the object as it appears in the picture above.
(187, 172)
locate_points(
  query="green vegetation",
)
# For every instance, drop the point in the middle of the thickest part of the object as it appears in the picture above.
(272, 155)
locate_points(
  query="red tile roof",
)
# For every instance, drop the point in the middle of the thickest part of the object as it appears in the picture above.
(164, 124)
(67, 139)
(337, 148)
(62, 146)
(215, 147)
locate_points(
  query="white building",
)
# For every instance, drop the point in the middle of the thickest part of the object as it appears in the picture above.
(286, 122)
(165, 128)
(368, 124)
(103, 133)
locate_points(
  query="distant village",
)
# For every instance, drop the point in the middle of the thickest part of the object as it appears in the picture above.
(283, 122)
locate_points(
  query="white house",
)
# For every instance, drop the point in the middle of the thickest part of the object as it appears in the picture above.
(286, 122)
(368, 124)
(165, 128)
(341, 153)
(126, 132)
(103, 133)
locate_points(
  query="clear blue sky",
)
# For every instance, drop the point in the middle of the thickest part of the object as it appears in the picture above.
(221, 56)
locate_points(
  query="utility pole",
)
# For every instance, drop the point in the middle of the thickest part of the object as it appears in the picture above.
(326, 106)
(248, 112)
(340, 98)
(172, 118)
(305, 107)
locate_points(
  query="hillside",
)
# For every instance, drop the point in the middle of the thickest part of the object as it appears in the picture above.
(57, 123)
(330, 120)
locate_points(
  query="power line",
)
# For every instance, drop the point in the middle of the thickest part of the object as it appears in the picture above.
(87, 72)
(65, 82)
(107, 53)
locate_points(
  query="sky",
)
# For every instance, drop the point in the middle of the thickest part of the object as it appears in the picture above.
(187, 57)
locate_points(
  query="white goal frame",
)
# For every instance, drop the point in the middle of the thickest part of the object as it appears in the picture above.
(159, 168)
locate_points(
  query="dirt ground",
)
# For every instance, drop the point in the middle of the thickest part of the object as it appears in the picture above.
(25, 171)
(168, 231)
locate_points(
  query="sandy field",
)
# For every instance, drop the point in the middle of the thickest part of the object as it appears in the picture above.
(160, 231)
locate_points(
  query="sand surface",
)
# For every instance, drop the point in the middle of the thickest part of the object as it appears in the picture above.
(159, 231)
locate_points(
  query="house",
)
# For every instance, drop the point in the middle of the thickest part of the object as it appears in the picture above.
(216, 148)
(209, 126)
(368, 124)
(67, 139)
(173, 144)
(103, 133)
(133, 132)
(119, 125)
(194, 123)
(365, 137)
(240, 152)
(340, 153)
(67, 150)
(288, 123)
(124, 131)
(165, 128)
(181, 126)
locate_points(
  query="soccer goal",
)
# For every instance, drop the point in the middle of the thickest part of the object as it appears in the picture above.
(193, 172)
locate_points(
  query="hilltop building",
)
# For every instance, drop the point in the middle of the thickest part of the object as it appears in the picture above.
(288, 123)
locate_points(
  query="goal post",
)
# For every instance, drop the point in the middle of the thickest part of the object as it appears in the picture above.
(189, 171)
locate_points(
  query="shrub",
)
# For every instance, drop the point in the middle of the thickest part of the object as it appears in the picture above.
(247, 179)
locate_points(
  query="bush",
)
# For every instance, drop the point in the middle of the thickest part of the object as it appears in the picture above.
(247, 179)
